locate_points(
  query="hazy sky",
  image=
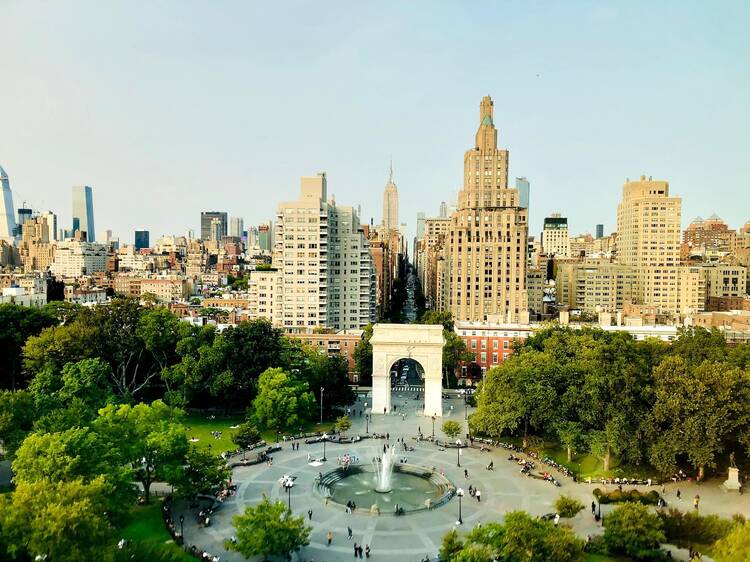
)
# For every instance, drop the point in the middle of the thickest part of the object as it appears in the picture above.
(169, 108)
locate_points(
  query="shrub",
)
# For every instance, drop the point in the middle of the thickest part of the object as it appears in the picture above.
(568, 506)
(685, 529)
(634, 531)
(626, 496)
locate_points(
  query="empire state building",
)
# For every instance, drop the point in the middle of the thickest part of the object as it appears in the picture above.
(390, 204)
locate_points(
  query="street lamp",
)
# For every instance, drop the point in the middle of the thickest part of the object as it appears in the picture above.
(367, 421)
(321, 404)
(288, 484)
(460, 494)
(458, 453)
(325, 438)
(182, 535)
(433, 427)
(466, 413)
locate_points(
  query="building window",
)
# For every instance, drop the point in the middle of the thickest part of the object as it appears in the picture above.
(473, 344)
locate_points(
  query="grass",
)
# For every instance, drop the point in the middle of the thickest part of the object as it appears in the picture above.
(201, 427)
(147, 526)
(604, 558)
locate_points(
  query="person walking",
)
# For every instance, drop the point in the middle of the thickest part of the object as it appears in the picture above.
(329, 537)
(356, 550)
(309, 514)
(696, 501)
(593, 507)
(349, 531)
(466, 473)
(478, 495)
(679, 495)
(361, 550)
(557, 519)
(367, 551)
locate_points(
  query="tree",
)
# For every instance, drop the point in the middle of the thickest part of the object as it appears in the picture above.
(570, 436)
(454, 353)
(451, 545)
(734, 546)
(283, 401)
(17, 415)
(452, 429)
(320, 370)
(149, 438)
(202, 473)
(61, 521)
(17, 324)
(363, 356)
(568, 506)
(246, 435)
(437, 317)
(268, 529)
(343, 424)
(633, 530)
(520, 538)
(77, 454)
(698, 409)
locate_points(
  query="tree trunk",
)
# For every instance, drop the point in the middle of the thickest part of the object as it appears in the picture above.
(607, 456)
(701, 473)
(525, 432)
(570, 454)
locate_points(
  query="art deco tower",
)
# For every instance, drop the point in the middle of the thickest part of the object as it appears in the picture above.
(390, 204)
(7, 218)
(486, 249)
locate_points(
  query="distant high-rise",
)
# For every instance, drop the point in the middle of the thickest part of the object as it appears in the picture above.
(216, 230)
(51, 224)
(390, 204)
(524, 191)
(487, 238)
(420, 224)
(236, 226)
(555, 236)
(141, 240)
(265, 236)
(599, 231)
(24, 214)
(83, 211)
(7, 219)
(206, 218)
(443, 210)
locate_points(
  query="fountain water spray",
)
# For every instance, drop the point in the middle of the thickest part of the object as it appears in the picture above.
(384, 469)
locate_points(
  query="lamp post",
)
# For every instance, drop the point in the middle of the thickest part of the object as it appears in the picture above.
(325, 438)
(458, 453)
(433, 427)
(321, 404)
(288, 484)
(367, 423)
(182, 535)
(460, 494)
(466, 413)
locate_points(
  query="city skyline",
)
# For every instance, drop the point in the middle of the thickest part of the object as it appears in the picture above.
(577, 121)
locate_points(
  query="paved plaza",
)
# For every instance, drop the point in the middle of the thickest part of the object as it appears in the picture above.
(413, 536)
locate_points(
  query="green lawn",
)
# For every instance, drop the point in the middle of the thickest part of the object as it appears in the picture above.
(201, 427)
(604, 558)
(147, 526)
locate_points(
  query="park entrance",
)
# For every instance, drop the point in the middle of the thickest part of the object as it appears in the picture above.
(391, 344)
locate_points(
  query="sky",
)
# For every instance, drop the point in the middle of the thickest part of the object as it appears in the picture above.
(170, 108)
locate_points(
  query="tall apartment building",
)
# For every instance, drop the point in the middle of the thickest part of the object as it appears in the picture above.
(325, 262)
(486, 247)
(83, 211)
(35, 248)
(524, 192)
(7, 218)
(74, 258)
(390, 204)
(207, 218)
(648, 240)
(555, 236)
(141, 240)
(431, 251)
(594, 287)
(708, 239)
(51, 219)
(266, 237)
(236, 227)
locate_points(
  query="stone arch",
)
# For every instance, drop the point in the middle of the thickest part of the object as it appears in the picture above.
(421, 342)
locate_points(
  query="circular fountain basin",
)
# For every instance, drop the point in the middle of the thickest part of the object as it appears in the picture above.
(413, 488)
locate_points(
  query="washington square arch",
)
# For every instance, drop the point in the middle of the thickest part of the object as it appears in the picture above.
(421, 342)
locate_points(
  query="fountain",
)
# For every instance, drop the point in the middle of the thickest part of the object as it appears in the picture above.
(384, 470)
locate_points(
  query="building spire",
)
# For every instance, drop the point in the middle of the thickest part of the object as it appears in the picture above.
(390, 176)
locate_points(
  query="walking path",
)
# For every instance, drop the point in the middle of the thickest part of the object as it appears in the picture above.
(416, 535)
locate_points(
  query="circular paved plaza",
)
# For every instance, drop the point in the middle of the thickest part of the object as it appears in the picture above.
(413, 536)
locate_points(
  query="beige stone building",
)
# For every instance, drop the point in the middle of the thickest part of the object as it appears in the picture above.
(36, 249)
(390, 204)
(487, 241)
(556, 237)
(594, 287)
(723, 280)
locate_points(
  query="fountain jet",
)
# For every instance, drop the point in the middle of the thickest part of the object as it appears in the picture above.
(384, 470)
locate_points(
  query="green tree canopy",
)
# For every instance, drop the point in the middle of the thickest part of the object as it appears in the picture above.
(17, 324)
(268, 529)
(452, 429)
(17, 416)
(202, 473)
(283, 401)
(633, 530)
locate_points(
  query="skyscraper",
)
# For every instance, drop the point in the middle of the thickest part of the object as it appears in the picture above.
(51, 224)
(524, 191)
(83, 211)
(599, 231)
(24, 214)
(486, 248)
(141, 240)
(236, 226)
(390, 204)
(7, 219)
(443, 210)
(555, 236)
(206, 218)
